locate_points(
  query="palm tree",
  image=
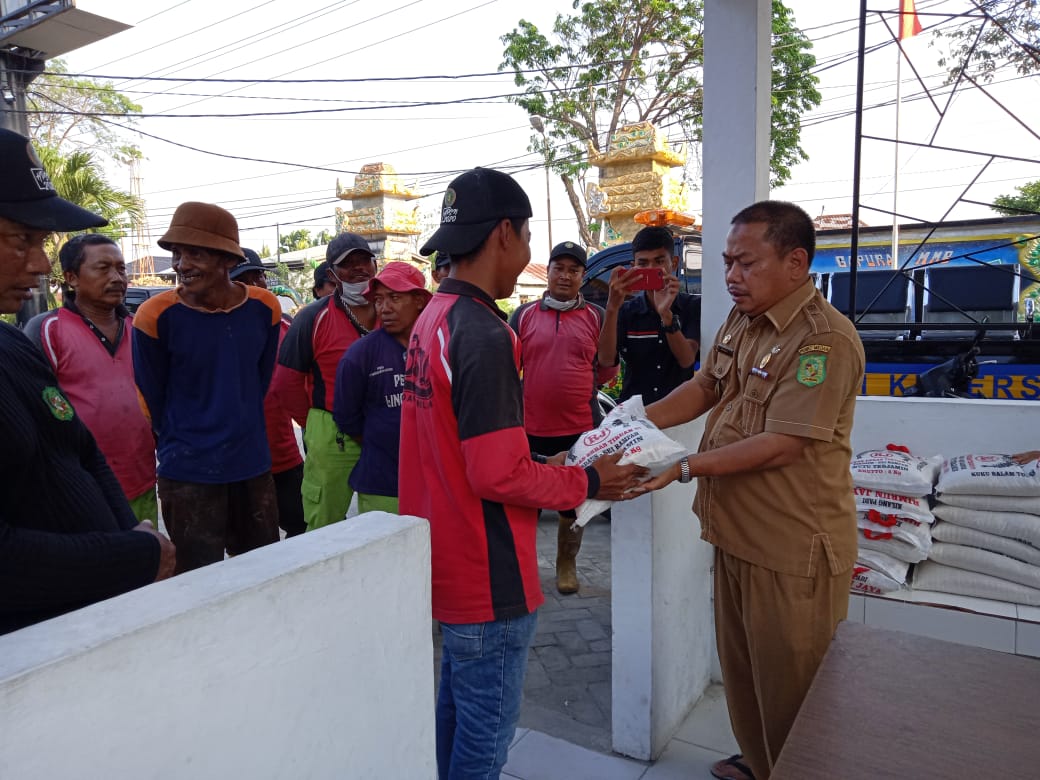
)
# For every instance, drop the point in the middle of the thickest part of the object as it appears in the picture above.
(78, 178)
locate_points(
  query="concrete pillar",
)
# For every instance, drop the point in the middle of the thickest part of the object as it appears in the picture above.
(663, 641)
(737, 79)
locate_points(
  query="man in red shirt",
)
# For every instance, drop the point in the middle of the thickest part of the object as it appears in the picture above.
(466, 466)
(319, 336)
(87, 343)
(560, 338)
(286, 460)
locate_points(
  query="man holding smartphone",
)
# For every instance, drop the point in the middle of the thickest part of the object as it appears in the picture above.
(657, 332)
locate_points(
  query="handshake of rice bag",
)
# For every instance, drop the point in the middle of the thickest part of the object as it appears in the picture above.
(625, 428)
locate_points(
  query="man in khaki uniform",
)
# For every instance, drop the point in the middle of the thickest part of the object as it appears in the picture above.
(774, 492)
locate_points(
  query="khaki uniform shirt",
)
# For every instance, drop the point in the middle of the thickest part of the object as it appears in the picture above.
(796, 369)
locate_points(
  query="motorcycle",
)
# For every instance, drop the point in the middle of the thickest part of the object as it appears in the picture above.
(952, 378)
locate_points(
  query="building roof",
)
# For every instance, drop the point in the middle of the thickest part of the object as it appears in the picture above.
(534, 273)
(835, 222)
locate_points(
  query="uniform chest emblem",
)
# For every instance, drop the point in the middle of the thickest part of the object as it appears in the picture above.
(812, 370)
(58, 404)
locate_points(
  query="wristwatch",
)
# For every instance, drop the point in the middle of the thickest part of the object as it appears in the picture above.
(684, 471)
(674, 327)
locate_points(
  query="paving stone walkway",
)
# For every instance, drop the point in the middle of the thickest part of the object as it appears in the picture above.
(567, 689)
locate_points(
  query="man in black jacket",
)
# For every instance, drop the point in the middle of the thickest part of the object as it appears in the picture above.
(68, 537)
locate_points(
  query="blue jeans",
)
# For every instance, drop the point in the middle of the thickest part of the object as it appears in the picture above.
(482, 682)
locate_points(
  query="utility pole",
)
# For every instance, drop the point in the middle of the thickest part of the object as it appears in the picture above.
(539, 126)
(16, 73)
(31, 32)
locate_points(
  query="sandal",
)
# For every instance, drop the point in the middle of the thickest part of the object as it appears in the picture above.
(732, 768)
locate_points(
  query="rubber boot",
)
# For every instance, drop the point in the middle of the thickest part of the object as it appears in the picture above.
(568, 543)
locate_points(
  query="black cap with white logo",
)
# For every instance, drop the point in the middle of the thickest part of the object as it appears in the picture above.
(27, 195)
(473, 204)
(571, 250)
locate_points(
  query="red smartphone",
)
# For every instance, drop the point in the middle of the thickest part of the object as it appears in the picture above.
(647, 279)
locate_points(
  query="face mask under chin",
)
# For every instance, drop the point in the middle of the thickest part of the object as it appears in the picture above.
(351, 293)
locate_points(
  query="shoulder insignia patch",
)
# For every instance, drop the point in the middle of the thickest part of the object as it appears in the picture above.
(825, 348)
(58, 404)
(812, 369)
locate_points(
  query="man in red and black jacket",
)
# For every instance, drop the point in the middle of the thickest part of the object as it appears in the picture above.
(320, 334)
(466, 466)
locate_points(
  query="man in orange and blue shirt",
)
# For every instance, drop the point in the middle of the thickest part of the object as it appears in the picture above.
(204, 354)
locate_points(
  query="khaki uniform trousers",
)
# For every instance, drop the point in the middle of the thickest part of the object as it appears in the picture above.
(772, 631)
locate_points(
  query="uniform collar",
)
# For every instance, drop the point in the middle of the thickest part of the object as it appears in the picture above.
(783, 311)
(452, 286)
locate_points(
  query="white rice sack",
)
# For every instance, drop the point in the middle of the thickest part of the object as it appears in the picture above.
(986, 562)
(903, 529)
(625, 428)
(989, 475)
(884, 543)
(867, 580)
(970, 537)
(885, 564)
(895, 471)
(1011, 525)
(947, 579)
(914, 507)
(1029, 505)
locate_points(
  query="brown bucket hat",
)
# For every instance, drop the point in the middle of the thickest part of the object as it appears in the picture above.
(205, 225)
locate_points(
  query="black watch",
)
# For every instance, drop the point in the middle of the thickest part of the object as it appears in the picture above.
(674, 327)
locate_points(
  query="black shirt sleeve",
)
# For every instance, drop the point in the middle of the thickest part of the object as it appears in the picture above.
(485, 387)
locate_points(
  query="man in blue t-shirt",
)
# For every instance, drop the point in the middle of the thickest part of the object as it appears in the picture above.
(369, 381)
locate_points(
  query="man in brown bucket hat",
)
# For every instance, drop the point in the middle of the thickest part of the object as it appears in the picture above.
(203, 358)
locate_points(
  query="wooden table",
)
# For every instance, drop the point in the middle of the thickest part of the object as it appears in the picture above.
(886, 704)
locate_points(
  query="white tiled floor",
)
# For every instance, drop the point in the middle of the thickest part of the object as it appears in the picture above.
(703, 739)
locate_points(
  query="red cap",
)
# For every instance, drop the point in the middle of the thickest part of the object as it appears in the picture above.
(399, 277)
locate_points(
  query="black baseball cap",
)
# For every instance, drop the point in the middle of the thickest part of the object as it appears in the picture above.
(345, 243)
(473, 204)
(27, 195)
(570, 249)
(251, 263)
(322, 274)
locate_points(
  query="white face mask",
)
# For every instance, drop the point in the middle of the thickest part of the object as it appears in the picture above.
(351, 293)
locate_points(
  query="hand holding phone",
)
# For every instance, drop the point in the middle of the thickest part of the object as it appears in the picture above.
(646, 279)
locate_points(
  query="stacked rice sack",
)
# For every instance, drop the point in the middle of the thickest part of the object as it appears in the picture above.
(988, 541)
(892, 489)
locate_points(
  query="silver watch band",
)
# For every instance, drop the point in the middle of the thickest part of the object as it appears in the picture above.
(684, 471)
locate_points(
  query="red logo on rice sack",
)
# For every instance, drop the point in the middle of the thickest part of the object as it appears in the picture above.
(595, 437)
(876, 535)
(859, 570)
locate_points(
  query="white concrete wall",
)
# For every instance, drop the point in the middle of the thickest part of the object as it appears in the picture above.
(946, 426)
(663, 641)
(311, 658)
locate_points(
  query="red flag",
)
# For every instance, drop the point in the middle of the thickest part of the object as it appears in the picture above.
(909, 24)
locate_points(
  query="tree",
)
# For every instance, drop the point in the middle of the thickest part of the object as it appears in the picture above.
(297, 239)
(1026, 202)
(77, 178)
(615, 63)
(265, 251)
(61, 112)
(1008, 35)
(323, 238)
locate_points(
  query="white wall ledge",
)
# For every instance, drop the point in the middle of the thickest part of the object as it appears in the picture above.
(308, 658)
